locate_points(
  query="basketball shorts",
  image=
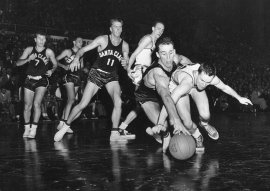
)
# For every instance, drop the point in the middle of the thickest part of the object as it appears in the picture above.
(32, 84)
(101, 78)
(144, 94)
(71, 78)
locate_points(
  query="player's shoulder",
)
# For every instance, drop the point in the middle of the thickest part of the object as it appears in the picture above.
(67, 52)
(158, 71)
(181, 74)
(49, 51)
(29, 48)
(102, 38)
(215, 81)
(125, 43)
(105, 36)
(146, 37)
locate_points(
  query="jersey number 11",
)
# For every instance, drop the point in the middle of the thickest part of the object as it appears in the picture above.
(110, 62)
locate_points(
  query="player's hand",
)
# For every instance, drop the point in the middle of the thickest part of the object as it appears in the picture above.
(179, 128)
(75, 65)
(130, 74)
(245, 101)
(157, 128)
(32, 57)
(49, 73)
(136, 72)
(124, 63)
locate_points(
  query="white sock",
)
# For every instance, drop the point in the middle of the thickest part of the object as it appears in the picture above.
(65, 125)
(61, 123)
(196, 134)
(27, 126)
(33, 126)
(204, 123)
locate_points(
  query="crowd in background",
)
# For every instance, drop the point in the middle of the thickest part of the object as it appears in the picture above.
(236, 66)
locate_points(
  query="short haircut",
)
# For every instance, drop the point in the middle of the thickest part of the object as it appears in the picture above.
(40, 33)
(74, 38)
(164, 41)
(156, 22)
(208, 69)
(116, 20)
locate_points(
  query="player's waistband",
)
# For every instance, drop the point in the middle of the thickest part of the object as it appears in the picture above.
(71, 74)
(102, 71)
(34, 77)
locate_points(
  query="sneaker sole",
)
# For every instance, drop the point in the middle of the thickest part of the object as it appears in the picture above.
(118, 140)
(200, 149)
(25, 136)
(31, 137)
(69, 131)
(158, 138)
(214, 138)
(130, 136)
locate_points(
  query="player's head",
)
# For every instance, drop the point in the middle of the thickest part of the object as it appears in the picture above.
(158, 28)
(165, 51)
(206, 74)
(40, 38)
(77, 42)
(116, 26)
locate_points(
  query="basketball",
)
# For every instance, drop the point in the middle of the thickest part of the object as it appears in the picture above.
(182, 146)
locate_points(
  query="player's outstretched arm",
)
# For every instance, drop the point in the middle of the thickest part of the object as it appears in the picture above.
(162, 87)
(75, 65)
(228, 90)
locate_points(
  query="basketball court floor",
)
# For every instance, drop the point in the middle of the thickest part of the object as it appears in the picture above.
(86, 160)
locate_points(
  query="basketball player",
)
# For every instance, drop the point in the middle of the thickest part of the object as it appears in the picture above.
(192, 80)
(71, 80)
(112, 52)
(36, 82)
(154, 88)
(143, 53)
(179, 60)
(143, 57)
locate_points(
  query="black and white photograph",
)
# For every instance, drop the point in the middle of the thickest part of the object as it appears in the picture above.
(143, 95)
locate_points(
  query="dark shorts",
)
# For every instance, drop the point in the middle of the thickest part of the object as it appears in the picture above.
(32, 84)
(144, 94)
(71, 78)
(101, 78)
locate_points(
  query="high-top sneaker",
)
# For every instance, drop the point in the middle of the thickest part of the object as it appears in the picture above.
(212, 132)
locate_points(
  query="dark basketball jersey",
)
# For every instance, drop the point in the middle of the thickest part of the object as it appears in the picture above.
(152, 91)
(157, 65)
(110, 58)
(38, 66)
(144, 93)
(69, 59)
